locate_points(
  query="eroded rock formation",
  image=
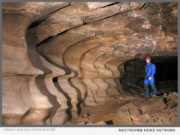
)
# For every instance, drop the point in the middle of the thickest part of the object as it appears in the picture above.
(60, 58)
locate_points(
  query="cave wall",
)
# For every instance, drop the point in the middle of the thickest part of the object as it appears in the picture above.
(68, 55)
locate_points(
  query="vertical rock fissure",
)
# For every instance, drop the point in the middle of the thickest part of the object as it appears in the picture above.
(69, 108)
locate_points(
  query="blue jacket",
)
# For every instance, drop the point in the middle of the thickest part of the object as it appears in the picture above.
(150, 70)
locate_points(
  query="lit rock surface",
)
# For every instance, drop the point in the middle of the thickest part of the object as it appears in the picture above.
(69, 56)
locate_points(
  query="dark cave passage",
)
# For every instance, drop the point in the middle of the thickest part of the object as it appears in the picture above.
(166, 74)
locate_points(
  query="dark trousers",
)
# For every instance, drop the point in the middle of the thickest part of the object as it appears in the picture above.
(149, 92)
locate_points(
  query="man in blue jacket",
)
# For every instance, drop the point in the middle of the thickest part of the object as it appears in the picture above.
(149, 80)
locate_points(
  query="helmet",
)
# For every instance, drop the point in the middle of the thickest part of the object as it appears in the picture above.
(147, 56)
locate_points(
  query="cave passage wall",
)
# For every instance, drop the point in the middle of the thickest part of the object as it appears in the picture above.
(65, 56)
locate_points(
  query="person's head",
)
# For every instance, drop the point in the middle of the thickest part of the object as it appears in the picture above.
(148, 58)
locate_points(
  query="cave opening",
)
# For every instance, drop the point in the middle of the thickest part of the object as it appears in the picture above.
(132, 76)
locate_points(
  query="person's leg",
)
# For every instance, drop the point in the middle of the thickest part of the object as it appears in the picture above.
(146, 93)
(146, 87)
(154, 89)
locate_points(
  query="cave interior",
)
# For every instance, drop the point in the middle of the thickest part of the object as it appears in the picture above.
(81, 63)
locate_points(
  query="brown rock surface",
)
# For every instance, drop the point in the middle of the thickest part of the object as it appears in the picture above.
(59, 58)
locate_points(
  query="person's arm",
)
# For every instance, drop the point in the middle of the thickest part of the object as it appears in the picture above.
(153, 70)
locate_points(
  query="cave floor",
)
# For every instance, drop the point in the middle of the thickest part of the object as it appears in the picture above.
(159, 110)
(117, 111)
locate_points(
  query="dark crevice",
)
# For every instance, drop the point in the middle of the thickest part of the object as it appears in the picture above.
(34, 56)
(79, 96)
(40, 81)
(114, 3)
(44, 18)
(55, 35)
(165, 100)
(109, 122)
(36, 23)
(69, 109)
(145, 5)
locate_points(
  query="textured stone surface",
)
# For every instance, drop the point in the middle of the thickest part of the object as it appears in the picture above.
(69, 56)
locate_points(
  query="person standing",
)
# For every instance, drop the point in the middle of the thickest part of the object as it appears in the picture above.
(149, 81)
